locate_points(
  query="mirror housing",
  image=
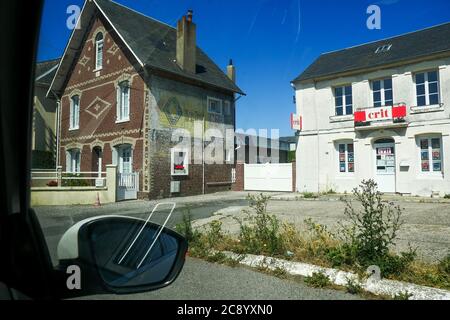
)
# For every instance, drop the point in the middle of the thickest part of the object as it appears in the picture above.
(119, 254)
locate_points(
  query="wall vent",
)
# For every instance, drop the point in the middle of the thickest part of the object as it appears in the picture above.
(175, 186)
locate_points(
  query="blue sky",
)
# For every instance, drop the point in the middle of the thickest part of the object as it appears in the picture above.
(270, 41)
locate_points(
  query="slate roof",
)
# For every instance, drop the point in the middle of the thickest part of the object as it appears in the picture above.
(154, 43)
(45, 71)
(414, 45)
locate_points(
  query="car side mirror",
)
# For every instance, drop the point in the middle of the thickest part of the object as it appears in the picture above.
(118, 254)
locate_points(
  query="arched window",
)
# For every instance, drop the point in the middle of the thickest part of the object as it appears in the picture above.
(99, 51)
(123, 101)
(74, 112)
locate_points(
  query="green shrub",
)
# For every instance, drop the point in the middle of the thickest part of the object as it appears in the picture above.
(309, 195)
(402, 296)
(216, 257)
(342, 255)
(353, 287)
(74, 182)
(214, 235)
(447, 196)
(318, 280)
(373, 230)
(394, 265)
(185, 227)
(279, 272)
(261, 235)
(329, 191)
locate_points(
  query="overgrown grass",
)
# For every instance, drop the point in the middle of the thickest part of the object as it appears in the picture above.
(318, 280)
(366, 241)
(309, 195)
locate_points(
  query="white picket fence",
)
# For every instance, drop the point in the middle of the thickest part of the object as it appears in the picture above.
(127, 185)
(58, 178)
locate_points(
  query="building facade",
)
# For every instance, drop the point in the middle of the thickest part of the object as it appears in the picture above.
(378, 111)
(126, 83)
(43, 143)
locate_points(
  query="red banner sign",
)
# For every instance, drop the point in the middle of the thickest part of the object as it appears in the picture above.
(380, 114)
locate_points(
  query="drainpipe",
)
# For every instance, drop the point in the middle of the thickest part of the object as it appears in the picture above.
(58, 127)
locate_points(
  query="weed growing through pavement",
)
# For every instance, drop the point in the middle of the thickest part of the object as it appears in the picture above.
(402, 296)
(366, 239)
(352, 286)
(318, 280)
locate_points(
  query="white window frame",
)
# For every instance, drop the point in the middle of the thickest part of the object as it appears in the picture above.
(382, 91)
(74, 160)
(120, 151)
(220, 105)
(345, 143)
(186, 161)
(431, 172)
(74, 118)
(427, 88)
(99, 46)
(344, 100)
(123, 107)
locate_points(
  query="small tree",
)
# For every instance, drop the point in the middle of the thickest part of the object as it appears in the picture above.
(375, 227)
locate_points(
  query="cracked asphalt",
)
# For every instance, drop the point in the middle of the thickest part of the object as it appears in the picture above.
(427, 226)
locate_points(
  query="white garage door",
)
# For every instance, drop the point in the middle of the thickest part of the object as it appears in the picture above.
(268, 177)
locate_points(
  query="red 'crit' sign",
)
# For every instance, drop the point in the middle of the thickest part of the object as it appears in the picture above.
(380, 113)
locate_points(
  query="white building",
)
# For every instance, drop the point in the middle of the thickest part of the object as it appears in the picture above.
(379, 110)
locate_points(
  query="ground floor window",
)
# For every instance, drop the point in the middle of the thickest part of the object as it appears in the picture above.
(73, 160)
(430, 154)
(346, 157)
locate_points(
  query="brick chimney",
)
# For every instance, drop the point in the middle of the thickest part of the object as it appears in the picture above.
(186, 43)
(231, 71)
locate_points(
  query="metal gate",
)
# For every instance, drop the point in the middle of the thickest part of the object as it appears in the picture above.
(268, 177)
(127, 186)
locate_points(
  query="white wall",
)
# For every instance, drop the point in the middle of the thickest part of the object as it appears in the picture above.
(317, 161)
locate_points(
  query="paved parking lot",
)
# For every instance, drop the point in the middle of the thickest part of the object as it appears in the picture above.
(427, 222)
(426, 225)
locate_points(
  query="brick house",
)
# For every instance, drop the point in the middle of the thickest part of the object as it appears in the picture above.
(125, 83)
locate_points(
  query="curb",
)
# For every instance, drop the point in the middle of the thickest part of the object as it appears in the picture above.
(399, 199)
(338, 277)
